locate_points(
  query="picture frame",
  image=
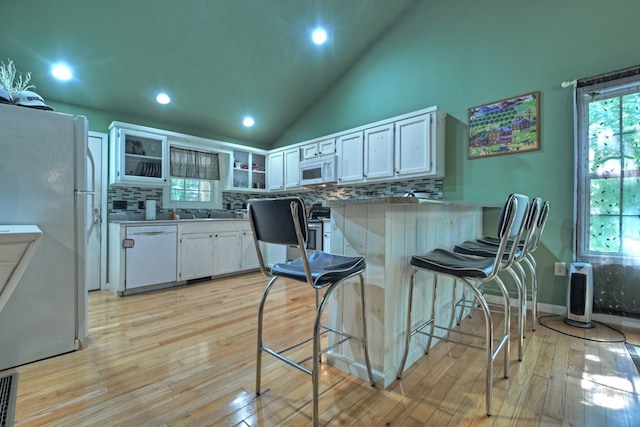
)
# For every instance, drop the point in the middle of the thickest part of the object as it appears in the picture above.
(508, 126)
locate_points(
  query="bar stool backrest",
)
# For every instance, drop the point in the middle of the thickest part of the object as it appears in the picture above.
(272, 220)
(531, 223)
(279, 221)
(542, 220)
(511, 225)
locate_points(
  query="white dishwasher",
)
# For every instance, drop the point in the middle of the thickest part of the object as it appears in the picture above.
(151, 255)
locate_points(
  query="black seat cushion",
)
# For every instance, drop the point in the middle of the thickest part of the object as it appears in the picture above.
(325, 268)
(491, 240)
(479, 248)
(447, 262)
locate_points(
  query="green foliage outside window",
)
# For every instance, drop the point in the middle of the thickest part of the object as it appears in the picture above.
(190, 190)
(613, 177)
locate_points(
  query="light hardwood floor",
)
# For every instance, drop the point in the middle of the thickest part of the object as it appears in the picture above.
(186, 357)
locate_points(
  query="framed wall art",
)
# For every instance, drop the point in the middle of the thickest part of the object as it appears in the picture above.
(507, 126)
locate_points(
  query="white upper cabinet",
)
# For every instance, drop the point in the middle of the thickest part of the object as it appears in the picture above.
(284, 169)
(378, 152)
(321, 147)
(275, 172)
(419, 145)
(292, 168)
(405, 146)
(137, 157)
(350, 148)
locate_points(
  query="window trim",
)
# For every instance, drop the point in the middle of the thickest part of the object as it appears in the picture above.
(606, 89)
(217, 187)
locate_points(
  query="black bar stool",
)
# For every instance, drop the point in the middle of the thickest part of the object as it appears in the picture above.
(530, 261)
(283, 221)
(514, 255)
(468, 270)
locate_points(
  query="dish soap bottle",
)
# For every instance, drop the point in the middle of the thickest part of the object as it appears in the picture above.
(174, 215)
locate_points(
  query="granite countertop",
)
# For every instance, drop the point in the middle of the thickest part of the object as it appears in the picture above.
(171, 221)
(398, 200)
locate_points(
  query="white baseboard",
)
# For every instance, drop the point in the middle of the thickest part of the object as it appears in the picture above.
(561, 310)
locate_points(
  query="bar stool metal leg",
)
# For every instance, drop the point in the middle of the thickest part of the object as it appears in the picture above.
(263, 300)
(491, 350)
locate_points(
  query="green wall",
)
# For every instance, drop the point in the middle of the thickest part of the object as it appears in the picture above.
(461, 53)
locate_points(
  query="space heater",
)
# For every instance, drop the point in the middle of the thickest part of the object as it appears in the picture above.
(580, 295)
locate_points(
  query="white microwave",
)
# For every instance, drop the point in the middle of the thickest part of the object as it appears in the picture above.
(319, 170)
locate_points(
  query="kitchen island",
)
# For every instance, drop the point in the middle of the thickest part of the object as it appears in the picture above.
(387, 231)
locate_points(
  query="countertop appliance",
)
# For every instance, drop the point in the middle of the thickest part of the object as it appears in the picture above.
(319, 212)
(418, 194)
(319, 170)
(44, 180)
(151, 253)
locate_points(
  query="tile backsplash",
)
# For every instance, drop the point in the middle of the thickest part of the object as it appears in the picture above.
(231, 201)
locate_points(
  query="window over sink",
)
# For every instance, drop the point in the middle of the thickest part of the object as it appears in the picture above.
(194, 179)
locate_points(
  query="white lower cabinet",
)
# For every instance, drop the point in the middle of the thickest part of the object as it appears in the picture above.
(196, 251)
(206, 248)
(226, 252)
(249, 258)
(217, 248)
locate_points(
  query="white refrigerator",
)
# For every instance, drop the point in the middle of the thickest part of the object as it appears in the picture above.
(46, 180)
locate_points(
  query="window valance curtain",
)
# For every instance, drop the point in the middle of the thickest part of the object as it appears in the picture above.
(194, 164)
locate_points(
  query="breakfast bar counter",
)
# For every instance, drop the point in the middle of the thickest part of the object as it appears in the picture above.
(387, 231)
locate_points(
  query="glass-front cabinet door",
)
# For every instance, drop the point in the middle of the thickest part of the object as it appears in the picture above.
(138, 157)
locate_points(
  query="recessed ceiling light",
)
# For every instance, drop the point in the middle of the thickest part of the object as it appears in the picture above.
(61, 72)
(319, 36)
(248, 121)
(163, 98)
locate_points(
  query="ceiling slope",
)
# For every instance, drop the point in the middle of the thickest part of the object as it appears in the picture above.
(219, 60)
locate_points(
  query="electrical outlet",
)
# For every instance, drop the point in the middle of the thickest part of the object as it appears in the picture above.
(560, 269)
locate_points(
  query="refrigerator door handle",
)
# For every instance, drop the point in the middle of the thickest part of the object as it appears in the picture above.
(92, 222)
(92, 173)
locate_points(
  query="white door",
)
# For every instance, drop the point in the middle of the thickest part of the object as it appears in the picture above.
(96, 262)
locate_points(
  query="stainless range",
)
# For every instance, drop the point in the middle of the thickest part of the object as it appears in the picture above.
(314, 240)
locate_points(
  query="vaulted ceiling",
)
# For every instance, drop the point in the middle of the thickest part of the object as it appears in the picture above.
(219, 60)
